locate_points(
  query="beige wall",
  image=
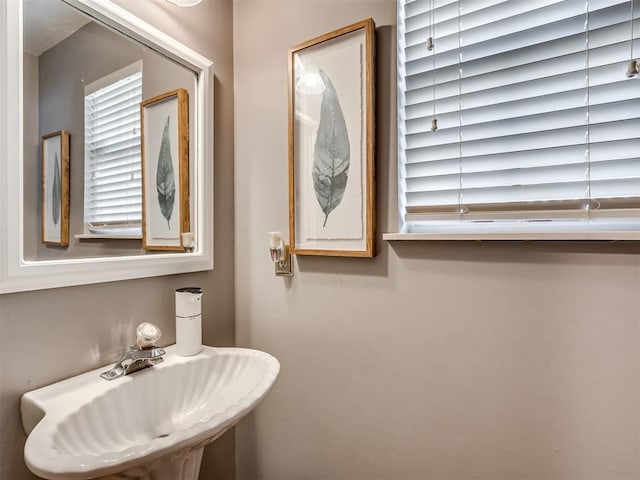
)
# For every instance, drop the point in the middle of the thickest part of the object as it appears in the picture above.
(494, 360)
(52, 334)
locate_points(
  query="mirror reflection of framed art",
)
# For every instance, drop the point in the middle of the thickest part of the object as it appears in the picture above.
(55, 189)
(165, 170)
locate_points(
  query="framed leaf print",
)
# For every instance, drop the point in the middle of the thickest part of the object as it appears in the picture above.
(165, 170)
(55, 188)
(331, 144)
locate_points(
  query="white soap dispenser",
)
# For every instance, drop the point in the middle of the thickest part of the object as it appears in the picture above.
(188, 321)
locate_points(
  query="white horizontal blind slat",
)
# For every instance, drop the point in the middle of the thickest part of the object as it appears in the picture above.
(531, 100)
(113, 188)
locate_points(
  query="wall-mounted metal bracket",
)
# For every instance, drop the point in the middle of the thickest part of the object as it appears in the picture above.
(284, 266)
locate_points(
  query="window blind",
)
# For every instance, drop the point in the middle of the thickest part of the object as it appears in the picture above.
(536, 118)
(113, 185)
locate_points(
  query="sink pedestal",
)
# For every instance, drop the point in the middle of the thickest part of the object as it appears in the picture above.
(182, 465)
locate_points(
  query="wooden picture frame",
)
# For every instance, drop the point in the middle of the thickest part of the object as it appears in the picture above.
(165, 170)
(331, 143)
(55, 188)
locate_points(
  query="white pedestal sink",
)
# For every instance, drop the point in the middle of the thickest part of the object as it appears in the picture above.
(152, 424)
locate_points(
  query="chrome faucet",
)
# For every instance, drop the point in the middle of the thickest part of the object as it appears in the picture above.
(142, 355)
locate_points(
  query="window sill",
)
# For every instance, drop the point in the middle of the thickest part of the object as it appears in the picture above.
(102, 236)
(524, 236)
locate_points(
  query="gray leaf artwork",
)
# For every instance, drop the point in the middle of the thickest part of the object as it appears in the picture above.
(56, 192)
(331, 151)
(165, 176)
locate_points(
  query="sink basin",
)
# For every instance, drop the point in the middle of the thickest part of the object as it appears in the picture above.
(150, 424)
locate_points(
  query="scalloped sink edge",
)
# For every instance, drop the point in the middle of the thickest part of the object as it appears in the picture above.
(87, 427)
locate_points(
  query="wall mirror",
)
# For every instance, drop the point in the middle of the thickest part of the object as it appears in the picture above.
(66, 54)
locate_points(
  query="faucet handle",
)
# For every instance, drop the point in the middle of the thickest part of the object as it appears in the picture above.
(147, 334)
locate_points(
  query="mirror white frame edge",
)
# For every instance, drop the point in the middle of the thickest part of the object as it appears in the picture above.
(18, 274)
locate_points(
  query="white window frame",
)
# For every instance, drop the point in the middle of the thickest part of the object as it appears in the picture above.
(620, 224)
(131, 229)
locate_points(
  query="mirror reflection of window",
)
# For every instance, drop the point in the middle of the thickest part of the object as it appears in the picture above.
(113, 170)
